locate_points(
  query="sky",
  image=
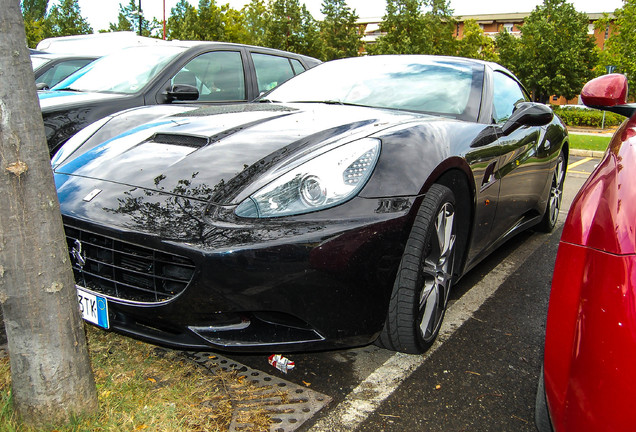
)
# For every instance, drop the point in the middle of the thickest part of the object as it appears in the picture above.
(100, 13)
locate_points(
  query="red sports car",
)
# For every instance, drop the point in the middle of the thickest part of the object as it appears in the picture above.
(589, 375)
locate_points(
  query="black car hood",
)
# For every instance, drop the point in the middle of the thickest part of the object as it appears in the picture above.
(54, 100)
(223, 153)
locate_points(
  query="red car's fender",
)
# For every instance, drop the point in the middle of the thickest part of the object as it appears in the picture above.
(590, 348)
(603, 214)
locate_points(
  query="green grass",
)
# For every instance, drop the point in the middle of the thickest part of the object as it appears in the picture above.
(145, 388)
(589, 142)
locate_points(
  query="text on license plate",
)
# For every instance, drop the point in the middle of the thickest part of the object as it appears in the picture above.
(93, 308)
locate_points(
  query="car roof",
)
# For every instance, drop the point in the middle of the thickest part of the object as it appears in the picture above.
(54, 56)
(97, 44)
(198, 44)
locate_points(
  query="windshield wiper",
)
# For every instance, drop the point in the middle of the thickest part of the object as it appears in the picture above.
(328, 102)
(334, 102)
(69, 89)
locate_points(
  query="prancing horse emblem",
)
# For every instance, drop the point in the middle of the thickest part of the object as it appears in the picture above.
(78, 255)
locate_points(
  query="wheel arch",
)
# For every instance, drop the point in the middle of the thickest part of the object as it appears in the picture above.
(565, 147)
(458, 181)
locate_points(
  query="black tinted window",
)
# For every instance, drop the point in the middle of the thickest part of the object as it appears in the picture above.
(507, 94)
(217, 75)
(298, 66)
(271, 71)
(61, 70)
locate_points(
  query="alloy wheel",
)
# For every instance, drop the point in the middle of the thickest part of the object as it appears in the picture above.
(437, 271)
(556, 191)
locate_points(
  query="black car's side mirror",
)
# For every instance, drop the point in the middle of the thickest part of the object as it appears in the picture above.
(183, 92)
(528, 114)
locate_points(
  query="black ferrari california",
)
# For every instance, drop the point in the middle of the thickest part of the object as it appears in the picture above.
(337, 210)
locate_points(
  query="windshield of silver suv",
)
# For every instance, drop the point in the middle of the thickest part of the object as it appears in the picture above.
(126, 71)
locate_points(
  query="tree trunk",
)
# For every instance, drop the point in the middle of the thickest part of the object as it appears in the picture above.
(50, 369)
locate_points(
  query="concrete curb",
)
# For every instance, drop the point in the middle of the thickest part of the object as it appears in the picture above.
(593, 132)
(587, 153)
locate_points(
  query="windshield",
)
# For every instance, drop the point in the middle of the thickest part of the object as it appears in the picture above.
(414, 83)
(126, 71)
(36, 62)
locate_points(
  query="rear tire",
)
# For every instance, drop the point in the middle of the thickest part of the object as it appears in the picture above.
(551, 214)
(424, 278)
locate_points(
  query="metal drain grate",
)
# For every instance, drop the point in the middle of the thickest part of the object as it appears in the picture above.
(288, 405)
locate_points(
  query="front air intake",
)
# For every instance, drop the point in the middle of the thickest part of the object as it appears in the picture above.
(126, 271)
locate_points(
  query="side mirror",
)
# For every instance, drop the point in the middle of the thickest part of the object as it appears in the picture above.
(183, 92)
(528, 114)
(41, 86)
(605, 91)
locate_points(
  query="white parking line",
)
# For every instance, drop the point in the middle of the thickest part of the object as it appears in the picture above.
(379, 385)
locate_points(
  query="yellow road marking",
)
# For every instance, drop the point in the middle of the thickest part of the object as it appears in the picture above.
(577, 163)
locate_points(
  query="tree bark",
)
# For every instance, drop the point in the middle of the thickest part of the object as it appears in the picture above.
(50, 369)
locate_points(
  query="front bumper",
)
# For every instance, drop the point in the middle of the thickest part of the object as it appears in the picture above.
(297, 284)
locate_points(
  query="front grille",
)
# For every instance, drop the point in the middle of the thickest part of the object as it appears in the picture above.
(124, 270)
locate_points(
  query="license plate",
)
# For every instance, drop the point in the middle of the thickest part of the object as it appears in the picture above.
(94, 308)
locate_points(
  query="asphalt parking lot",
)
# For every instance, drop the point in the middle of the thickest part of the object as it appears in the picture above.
(482, 373)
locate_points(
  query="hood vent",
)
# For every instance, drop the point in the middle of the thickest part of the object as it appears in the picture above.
(180, 140)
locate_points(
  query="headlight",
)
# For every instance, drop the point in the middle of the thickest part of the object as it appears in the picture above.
(325, 181)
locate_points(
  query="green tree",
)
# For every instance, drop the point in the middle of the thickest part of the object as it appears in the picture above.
(34, 14)
(284, 28)
(507, 47)
(439, 27)
(402, 25)
(410, 31)
(210, 23)
(256, 19)
(34, 9)
(66, 19)
(555, 56)
(339, 30)
(621, 44)
(128, 20)
(123, 23)
(475, 44)
(234, 26)
(310, 42)
(179, 15)
(33, 31)
(205, 23)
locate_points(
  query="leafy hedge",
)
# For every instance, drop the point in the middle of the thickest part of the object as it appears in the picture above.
(587, 117)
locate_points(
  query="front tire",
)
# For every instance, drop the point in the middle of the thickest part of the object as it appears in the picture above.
(551, 214)
(424, 278)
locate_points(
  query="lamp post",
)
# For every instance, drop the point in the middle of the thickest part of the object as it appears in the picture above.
(140, 17)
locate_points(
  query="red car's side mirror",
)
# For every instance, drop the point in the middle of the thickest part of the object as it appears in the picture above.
(605, 91)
